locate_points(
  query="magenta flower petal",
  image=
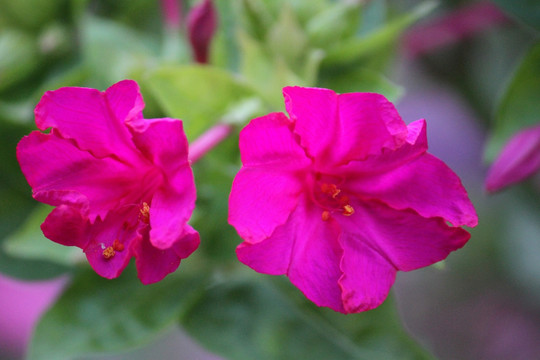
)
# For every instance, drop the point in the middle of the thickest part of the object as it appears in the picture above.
(367, 275)
(260, 201)
(119, 182)
(437, 193)
(67, 226)
(154, 264)
(314, 114)
(255, 184)
(407, 240)
(303, 249)
(415, 145)
(105, 235)
(386, 241)
(93, 119)
(171, 208)
(519, 159)
(164, 143)
(59, 172)
(319, 120)
(276, 146)
(371, 119)
(370, 201)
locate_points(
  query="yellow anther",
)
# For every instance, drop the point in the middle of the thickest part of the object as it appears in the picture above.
(108, 252)
(348, 210)
(144, 213)
(330, 189)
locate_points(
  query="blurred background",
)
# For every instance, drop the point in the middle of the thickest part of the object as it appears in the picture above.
(450, 62)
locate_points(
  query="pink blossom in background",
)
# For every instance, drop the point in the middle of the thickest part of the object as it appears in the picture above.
(519, 159)
(201, 26)
(341, 195)
(172, 14)
(21, 305)
(122, 185)
(451, 28)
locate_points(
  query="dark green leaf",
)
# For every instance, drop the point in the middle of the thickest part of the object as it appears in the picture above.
(98, 315)
(519, 106)
(527, 11)
(31, 14)
(254, 320)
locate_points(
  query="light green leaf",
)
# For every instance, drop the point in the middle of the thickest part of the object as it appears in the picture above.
(362, 80)
(112, 51)
(519, 106)
(254, 320)
(199, 95)
(28, 242)
(286, 40)
(255, 17)
(19, 56)
(98, 315)
(266, 73)
(359, 48)
(335, 23)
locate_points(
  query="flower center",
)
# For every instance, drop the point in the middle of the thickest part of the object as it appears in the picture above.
(331, 198)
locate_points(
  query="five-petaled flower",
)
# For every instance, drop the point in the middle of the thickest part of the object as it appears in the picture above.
(122, 185)
(519, 159)
(342, 195)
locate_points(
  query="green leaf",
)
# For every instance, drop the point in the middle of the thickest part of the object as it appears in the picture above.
(361, 80)
(31, 14)
(372, 44)
(256, 19)
(19, 56)
(199, 95)
(254, 320)
(286, 40)
(519, 106)
(98, 315)
(17, 203)
(112, 51)
(268, 74)
(28, 242)
(334, 24)
(527, 11)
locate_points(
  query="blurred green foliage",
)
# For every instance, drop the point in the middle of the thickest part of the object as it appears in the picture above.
(261, 46)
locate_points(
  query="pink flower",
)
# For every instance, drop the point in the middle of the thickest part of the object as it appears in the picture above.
(201, 26)
(341, 195)
(122, 185)
(519, 159)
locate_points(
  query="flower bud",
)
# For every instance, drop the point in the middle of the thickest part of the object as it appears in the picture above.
(201, 26)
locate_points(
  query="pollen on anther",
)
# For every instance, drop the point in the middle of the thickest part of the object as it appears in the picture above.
(330, 189)
(144, 213)
(117, 245)
(348, 210)
(325, 215)
(108, 252)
